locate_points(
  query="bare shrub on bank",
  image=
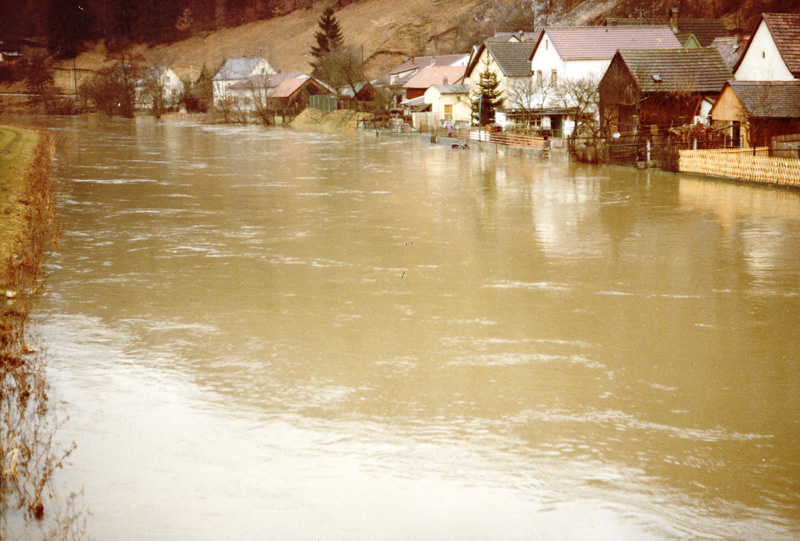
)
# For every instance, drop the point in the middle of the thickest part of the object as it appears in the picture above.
(29, 448)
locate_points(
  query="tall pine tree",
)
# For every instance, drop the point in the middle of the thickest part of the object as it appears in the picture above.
(488, 97)
(329, 35)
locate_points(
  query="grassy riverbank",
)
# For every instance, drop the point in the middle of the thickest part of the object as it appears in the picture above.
(336, 121)
(29, 450)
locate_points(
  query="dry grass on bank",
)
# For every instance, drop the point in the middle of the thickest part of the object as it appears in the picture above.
(336, 121)
(29, 452)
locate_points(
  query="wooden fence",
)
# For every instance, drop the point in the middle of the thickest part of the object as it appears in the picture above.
(754, 165)
(508, 139)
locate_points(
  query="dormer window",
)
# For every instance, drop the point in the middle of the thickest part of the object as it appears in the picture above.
(656, 77)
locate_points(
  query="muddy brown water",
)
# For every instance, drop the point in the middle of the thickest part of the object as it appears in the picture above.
(261, 333)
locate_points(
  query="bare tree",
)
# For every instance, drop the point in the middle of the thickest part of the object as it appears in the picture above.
(582, 97)
(154, 88)
(260, 87)
(113, 89)
(526, 95)
(229, 107)
(341, 68)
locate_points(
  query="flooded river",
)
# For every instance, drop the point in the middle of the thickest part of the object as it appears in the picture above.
(264, 334)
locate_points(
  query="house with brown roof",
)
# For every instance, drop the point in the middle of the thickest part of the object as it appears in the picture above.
(773, 51)
(582, 53)
(659, 87)
(730, 49)
(753, 112)
(275, 91)
(508, 60)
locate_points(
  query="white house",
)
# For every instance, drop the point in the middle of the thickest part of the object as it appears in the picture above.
(583, 52)
(238, 69)
(772, 54)
(164, 78)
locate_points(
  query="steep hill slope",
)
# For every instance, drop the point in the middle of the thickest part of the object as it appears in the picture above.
(385, 31)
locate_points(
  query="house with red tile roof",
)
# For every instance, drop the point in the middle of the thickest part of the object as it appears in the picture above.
(764, 100)
(433, 75)
(773, 51)
(395, 80)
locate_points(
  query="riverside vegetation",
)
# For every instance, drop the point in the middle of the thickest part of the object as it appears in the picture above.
(30, 450)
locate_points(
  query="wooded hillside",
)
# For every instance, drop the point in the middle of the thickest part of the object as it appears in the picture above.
(191, 33)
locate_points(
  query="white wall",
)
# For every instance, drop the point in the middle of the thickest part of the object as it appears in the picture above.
(546, 59)
(763, 60)
(221, 87)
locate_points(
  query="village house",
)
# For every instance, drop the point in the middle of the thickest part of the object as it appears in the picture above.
(757, 111)
(730, 49)
(659, 88)
(433, 75)
(395, 80)
(763, 100)
(275, 91)
(773, 51)
(450, 103)
(507, 60)
(9, 55)
(363, 91)
(235, 70)
(691, 32)
(515, 36)
(163, 79)
(573, 54)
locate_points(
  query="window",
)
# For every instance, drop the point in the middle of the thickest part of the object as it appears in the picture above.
(546, 45)
(448, 112)
(538, 77)
(553, 77)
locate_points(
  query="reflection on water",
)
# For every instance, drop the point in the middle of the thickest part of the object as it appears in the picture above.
(262, 333)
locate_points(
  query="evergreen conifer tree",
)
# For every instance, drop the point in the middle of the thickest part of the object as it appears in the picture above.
(329, 35)
(488, 97)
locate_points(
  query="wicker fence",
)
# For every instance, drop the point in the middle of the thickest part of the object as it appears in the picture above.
(745, 164)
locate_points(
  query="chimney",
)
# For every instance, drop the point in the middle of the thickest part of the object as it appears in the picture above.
(673, 19)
